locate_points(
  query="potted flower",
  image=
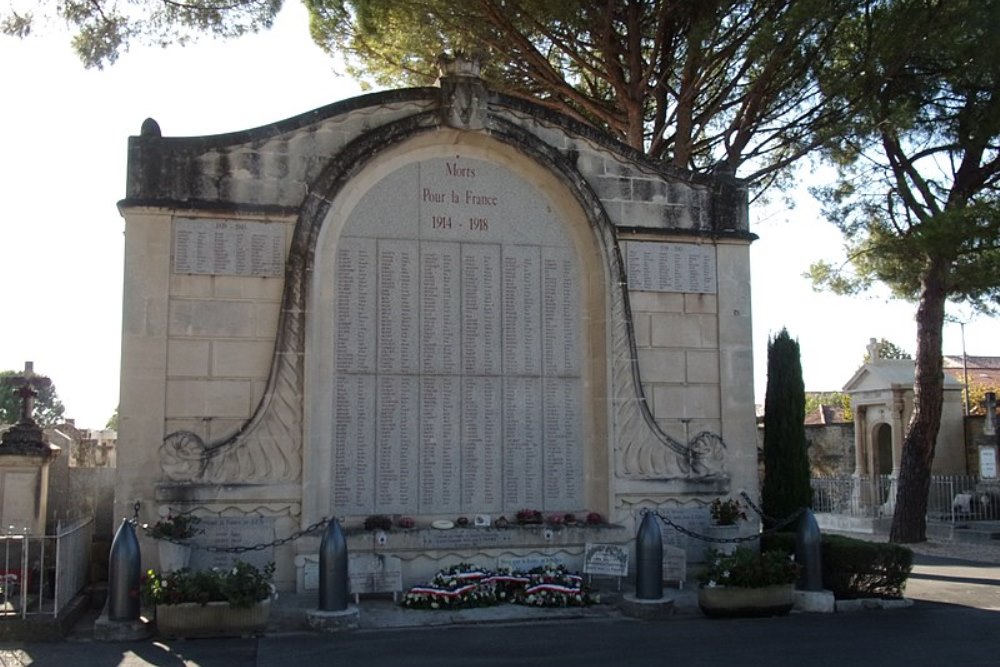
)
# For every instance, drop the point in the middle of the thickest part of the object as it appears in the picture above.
(747, 583)
(727, 512)
(215, 602)
(172, 535)
(724, 528)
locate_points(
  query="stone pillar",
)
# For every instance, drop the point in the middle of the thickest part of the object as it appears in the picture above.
(860, 428)
(898, 429)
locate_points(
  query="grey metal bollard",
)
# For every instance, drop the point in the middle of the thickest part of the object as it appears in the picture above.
(124, 574)
(333, 593)
(649, 560)
(808, 553)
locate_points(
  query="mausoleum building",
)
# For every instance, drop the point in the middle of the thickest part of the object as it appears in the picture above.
(433, 303)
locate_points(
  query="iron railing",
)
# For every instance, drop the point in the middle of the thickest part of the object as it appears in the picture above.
(951, 498)
(40, 574)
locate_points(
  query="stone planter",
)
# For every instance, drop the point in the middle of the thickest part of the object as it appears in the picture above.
(723, 533)
(214, 619)
(173, 556)
(723, 602)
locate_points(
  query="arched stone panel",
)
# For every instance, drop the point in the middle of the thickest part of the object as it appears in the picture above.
(456, 335)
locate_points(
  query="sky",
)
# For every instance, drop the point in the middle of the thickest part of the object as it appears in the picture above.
(62, 171)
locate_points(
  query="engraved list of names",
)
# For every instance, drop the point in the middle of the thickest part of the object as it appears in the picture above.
(228, 247)
(457, 382)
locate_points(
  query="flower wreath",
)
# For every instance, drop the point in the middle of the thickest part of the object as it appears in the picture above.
(465, 586)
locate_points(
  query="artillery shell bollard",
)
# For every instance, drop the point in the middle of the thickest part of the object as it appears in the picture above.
(809, 593)
(120, 620)
(334, 613)
(648, 600)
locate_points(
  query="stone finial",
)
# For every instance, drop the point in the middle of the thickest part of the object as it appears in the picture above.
(463, 95)
(874, 348)
(458, 65)
(150, 128)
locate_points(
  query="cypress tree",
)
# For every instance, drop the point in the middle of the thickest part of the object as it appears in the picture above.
(786, 462)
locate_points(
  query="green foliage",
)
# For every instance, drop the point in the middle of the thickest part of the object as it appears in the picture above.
(916, 195)
(48, 408)
(745, 568)
(113, 421)
(728, 82)
(888, 350)
(924, 76)
(786, 462)
(179, 527)
(241, 585)
(977, 396)
(727, 512)
(724, 84)
(814, 399)
(855, 568)
(106, 28)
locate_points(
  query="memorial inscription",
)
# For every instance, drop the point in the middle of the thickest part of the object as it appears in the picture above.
(457, 347)
(671, 267)
(228, 247)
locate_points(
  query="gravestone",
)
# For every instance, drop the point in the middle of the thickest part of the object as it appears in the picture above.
(25, 457)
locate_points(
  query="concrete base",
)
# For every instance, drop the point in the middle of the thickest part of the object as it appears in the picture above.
(634, 607)
(106, 630)
(334, 621)
(815, 602)
(872, 603)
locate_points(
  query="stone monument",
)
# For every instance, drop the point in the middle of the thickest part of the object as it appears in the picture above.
(25, 456)
(433, 307)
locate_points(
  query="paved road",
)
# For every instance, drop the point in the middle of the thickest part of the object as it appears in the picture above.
(956, 620)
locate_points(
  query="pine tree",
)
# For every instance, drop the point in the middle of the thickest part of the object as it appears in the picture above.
(786, 463)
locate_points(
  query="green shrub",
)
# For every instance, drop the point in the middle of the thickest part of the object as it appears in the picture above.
(854, 568)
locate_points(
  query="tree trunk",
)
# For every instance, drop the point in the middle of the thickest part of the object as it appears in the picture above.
(909, 523)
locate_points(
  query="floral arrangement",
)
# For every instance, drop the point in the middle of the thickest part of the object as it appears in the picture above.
(241, 586)
(179, 527)
(378, 522)
(745, 568)
(727, 512)
(528, 516)
(463, 586)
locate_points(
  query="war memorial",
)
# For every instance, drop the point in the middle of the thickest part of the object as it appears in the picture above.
(438, 308)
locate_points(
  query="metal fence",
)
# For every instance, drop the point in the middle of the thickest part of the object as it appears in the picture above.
(41, 574)
(951, 498)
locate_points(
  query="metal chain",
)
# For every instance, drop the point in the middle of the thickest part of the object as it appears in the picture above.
(776, 527)
(239, 549)
(775, 524)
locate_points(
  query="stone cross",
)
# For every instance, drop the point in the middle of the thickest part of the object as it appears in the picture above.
(30, 384)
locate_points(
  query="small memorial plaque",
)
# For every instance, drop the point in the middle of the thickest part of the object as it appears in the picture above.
(674, 564)
(605, 560)
(988, 462)
(670, 267)
(214, 547)
(374, 573)
(527, 563)
(694, 518)
(228, 247)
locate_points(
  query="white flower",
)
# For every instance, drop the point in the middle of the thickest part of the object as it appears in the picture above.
(711, 584)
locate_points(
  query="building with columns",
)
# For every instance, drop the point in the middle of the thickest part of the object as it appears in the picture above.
(881, 394)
